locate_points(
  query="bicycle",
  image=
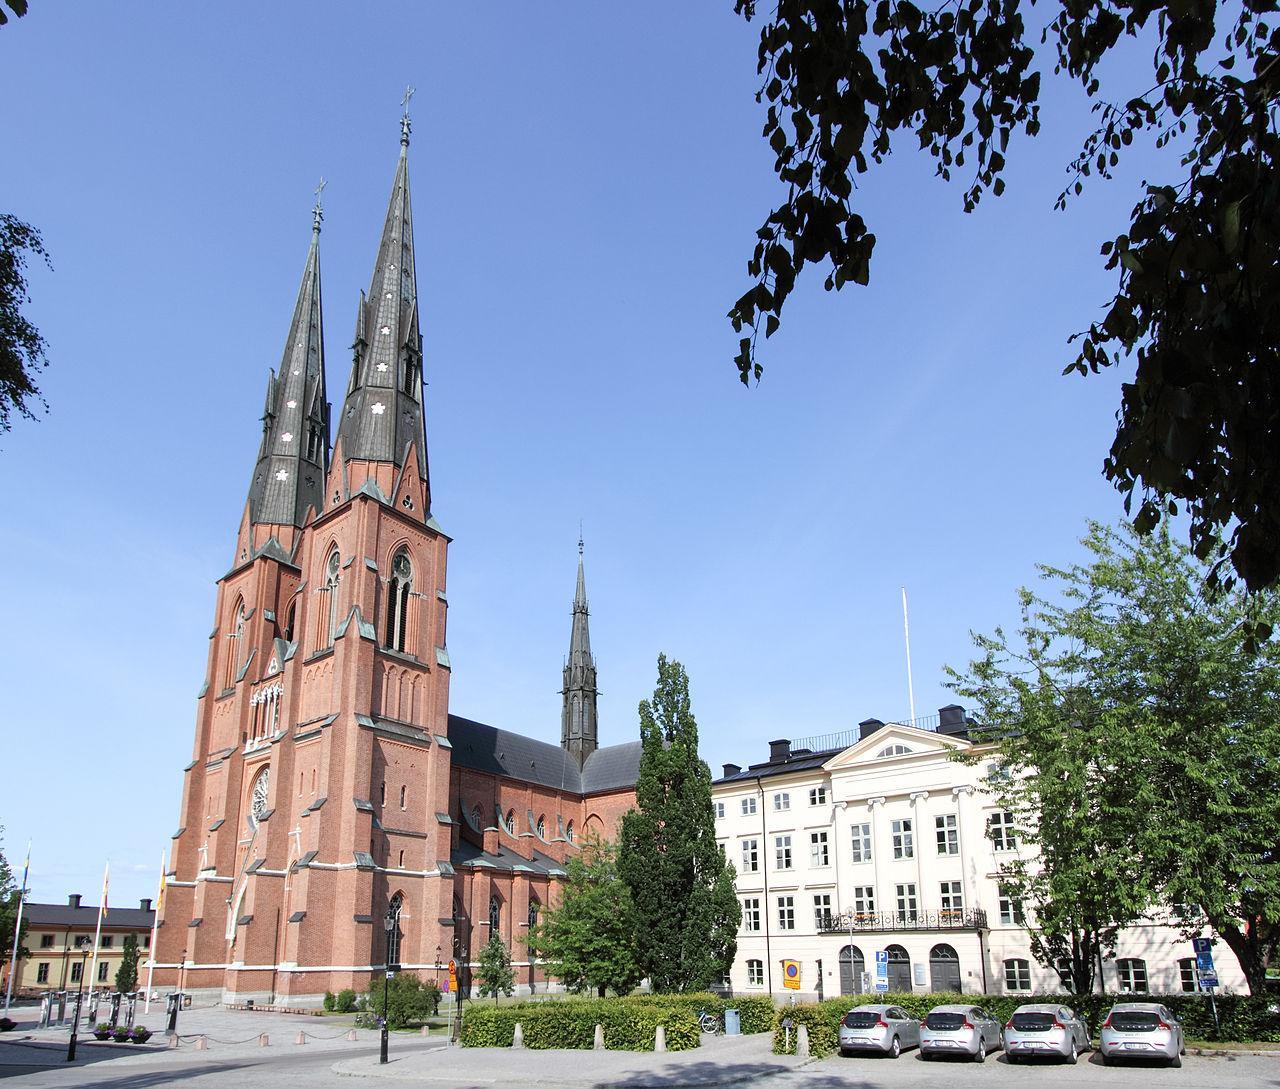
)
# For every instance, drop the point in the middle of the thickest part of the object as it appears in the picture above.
(708, 1022)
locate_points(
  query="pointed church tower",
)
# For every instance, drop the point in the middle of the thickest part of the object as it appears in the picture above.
(381, 438)
(288, 480)
(579, 727)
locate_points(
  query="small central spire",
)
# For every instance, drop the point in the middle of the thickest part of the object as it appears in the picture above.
(405, 124)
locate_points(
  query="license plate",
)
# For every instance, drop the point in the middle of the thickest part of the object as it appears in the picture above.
(1138, 1047)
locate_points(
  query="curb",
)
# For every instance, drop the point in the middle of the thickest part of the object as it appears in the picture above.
(1228, 1052)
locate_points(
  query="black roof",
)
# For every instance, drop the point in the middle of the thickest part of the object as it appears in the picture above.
(500, 752)
(797, 761)
(86, 918)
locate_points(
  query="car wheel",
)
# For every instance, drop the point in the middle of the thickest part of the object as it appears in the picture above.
(1106, 1059)
(925, 1056)
(1011, 1058)
(845, 1053)
(1073, 1054)
(981, 1054)
(1176, 1061)
(895, 1048)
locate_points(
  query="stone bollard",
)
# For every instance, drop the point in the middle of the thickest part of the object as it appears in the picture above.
(173, 1041)
(660, 1038)
(302, 1037)
(802, 1042)
(517, 1038)
(264, 1040)
(351, 1035)
(599, 1042)
(202, 1043)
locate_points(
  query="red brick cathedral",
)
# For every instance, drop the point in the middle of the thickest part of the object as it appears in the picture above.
(329, 787)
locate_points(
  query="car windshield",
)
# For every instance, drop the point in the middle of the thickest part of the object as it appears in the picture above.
(1135, 1021)
(944, 1020)
(1032, 1022)
(860, 1018)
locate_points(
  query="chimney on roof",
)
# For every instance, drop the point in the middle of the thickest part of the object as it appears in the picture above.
(779, 751)
(145, 904)
(73, 900)
(868, 726)
(952, 720)
(731, 769)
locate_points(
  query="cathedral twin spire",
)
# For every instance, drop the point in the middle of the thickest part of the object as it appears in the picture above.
(382, 417)
(579, 723)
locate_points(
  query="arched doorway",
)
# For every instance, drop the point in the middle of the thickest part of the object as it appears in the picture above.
(944, 969)
(851, 968)
(899, 969)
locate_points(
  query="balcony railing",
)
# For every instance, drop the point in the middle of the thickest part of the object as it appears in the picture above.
(966, 919)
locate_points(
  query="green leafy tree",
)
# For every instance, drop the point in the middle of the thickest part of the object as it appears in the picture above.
(1132, 717)
(409, 1001)
(494, 970)
(588, 940)
(127, 973)
(10, 895)
(685, 905)
(1197, 288)
(22, 348)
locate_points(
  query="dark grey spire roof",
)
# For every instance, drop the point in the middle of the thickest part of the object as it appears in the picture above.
(579, 724)
(294, 456)
(383, 411)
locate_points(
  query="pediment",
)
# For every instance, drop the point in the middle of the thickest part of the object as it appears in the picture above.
(917, 743)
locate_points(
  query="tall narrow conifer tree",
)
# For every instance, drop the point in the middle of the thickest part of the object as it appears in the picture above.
(682, 887)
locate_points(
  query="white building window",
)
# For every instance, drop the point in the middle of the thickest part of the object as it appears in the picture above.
(782, 852)
(751, 913)
(818, 796)
(1001, 831)
(781, 802)
(903, 839)
(1017, 975)
(1132, 974)
(894, 750)
(719, 810)
(749, 806)
(1187, 974)
(750, 855)
(908, 904)
(786, 913)
(948, 834)
(861, 843)
(755, 973)
(819, 850)
(864, 899)
(821, 910)
(952, 896)
(1011, 912)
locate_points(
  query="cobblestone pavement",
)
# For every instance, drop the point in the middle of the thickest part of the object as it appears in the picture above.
(329, 1061)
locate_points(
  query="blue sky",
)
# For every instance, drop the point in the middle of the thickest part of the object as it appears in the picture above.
(587, 180)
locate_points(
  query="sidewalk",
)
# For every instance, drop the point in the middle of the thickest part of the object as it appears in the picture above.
(722, 1060)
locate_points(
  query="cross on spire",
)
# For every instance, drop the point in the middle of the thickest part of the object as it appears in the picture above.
(317, 213)
(405, 125)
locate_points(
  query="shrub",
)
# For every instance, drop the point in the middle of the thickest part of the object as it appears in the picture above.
(1243, 1017)
(409, 1001)
(329, 1001)
(7, 1025)
(345, 1001)
(120, 1034)
(755, 1012)
(629, 1024)
(141, 1034)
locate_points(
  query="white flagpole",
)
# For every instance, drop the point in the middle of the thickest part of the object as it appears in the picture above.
(97, 934)
(155, 922)
(906, 631)
(17, 930)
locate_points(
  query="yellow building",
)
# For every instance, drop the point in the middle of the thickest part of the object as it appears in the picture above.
(58, 940)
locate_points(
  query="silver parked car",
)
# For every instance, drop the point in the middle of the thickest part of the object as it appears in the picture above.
(887, 1029)
(1045, 1029)
(1142, 1030)
(959, 1030)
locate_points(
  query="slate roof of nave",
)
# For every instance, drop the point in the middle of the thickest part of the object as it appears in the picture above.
(501, 752)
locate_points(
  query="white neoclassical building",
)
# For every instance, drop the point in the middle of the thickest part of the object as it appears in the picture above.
(876, 841)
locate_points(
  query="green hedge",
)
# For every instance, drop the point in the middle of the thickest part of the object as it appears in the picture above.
(1244, 1017)
(755, 1012)
(629, 1024)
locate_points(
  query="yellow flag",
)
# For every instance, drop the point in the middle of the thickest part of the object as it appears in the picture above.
(106, 877)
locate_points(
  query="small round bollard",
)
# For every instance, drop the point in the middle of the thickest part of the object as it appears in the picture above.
(173, 1041)
(517, 1037)
(599, 1041)
(660, 1038)
(352, 1034)
(802, 1042)
(202, 1043)
(302, 1037)
(264, 1040)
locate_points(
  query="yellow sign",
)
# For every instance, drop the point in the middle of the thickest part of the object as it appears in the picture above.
(791, 974)
(453, 976)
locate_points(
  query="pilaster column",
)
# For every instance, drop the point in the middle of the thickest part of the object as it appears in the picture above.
(917, 825)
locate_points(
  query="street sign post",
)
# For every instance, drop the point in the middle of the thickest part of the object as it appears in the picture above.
(1206, 973)
(882, 970)
(791, 975)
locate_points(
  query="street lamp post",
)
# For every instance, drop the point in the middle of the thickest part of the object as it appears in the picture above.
(75, 1020)
(389, 925)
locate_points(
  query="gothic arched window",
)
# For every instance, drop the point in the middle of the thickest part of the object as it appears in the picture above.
(534, 908)
(569, 833)
(398, 600)
(393, 935)
(495, 915)
(542, 827)
(235, 650)
(331, 579)
(510, 822)
(288, 624)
